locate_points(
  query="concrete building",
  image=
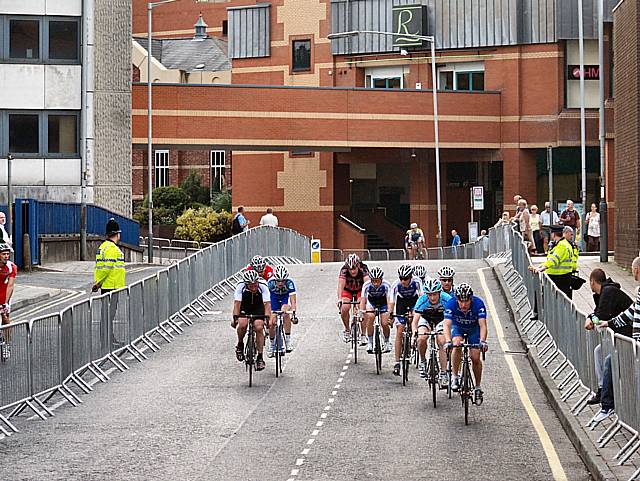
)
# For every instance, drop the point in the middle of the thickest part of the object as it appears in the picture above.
(322, 128)
(627, 89)
(65, 100)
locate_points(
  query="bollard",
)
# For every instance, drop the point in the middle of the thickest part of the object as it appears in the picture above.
(26, 253)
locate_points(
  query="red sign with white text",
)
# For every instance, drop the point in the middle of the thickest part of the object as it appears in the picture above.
(591, 72)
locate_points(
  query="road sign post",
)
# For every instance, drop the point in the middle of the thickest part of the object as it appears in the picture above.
(315, 251)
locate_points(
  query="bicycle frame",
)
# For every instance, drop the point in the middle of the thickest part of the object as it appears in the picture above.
(467, 380)
(354, 326)
(377, 338)
(250, 348)
(280, 345)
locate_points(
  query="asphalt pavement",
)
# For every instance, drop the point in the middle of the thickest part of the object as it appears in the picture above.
(188, 414)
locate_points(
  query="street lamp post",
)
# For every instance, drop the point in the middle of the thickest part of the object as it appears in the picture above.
(432, 40)
(583, 130)
(604, 228)
(150, 7)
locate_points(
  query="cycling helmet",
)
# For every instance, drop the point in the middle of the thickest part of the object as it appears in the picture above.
(376, 273)
(464, 292)
(352, 261)
(432, 285)
(258, 263)
(413, 225)
(420, 271)
(281, 273)
(446, 272)
(405, 270)
(5, 248)
(250, 276)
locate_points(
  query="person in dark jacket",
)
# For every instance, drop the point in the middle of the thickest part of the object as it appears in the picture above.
(610, 301)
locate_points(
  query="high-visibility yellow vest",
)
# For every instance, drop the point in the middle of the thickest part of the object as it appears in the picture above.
(560, 259)
(109, 271)
(575, 254)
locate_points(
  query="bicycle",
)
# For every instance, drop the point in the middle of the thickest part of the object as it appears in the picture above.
(467, 385)
(405, 353)
(433, 365)
(250, 346)
(4, 349)
(377, 339)
(280, 346)
(354, 326)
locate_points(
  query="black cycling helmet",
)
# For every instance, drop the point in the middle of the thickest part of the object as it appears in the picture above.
(463, 292)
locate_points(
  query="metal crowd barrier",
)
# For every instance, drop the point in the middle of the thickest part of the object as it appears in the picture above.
(555, 327)
(54, 354)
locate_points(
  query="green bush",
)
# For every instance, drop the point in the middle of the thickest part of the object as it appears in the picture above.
(168, 204)
(192, 186)
(203, 225)
(221, 201)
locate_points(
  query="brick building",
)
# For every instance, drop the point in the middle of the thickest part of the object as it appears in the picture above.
(321, 128)
(627, 165)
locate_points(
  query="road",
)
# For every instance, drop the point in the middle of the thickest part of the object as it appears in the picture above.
(188, 413)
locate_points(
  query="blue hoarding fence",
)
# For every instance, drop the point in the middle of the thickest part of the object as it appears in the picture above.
(39, 218)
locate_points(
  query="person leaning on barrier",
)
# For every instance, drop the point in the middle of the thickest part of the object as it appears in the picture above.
(576, 280)
(559, 263)
(630, 317)
(610, 301)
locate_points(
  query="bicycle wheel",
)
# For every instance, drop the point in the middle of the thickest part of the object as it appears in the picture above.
(277, 351)
(406, 353)
(354, 339)
(466, 392)
(249, 357)
(433, 374)
(378, 349)
(449, 372)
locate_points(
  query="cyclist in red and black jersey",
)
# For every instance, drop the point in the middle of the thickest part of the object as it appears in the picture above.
(353, 274)
(259, 264)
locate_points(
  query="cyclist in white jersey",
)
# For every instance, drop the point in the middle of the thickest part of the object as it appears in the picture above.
(376, 294)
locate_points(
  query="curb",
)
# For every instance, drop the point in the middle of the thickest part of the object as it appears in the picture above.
(22, 303)
(588, 451)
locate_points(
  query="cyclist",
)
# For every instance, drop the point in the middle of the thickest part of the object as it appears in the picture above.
(251, 297)
(376, 294)
(8, 272)
(259, 264)
(405, 292)
(283, 298)
(446, 275)
(428, 315)
(466, 314)
(414, 241)
(420, 272)
(353, 274)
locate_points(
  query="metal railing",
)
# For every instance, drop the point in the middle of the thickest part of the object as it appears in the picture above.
(555, 327)
(54, 354)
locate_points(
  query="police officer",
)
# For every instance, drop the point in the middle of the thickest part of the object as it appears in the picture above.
(559, 263)
(109, 273)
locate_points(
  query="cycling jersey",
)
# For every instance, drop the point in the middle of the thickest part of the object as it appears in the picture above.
(414, 236)
(267, 273)
(353, 285)
(9, 271)
(431, 314)
(468, 323)
(405, 297)
(252, 302)
(377, 297)
(280, 293)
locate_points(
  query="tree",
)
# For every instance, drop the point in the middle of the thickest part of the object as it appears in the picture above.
(221, 201)
(203, 225)
(192, 186)
(168, 204)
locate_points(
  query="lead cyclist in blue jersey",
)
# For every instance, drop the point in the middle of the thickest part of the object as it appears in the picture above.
(283, 298)
(466, 314)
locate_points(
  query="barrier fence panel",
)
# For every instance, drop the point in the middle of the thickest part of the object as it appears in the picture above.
(626, 400)
(174, 299)
(119, 329)
(46, 368)
(99, 328)
(15, 374)
(81, 334)
(163, 297)
(135, 312)
(66, 342)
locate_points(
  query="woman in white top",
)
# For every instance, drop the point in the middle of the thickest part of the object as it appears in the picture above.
(535, 223)
(593, 229)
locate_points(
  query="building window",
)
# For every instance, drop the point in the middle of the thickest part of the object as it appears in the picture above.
(63, 40)
(225, 27)
(162, 167)
(62, 134)
(301, 55)
(465, 77)
(386, 83)
(24, 133)
(24, 39)
(218, 168)
(385, 77)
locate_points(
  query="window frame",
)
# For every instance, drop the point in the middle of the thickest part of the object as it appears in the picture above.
(47, 32)
(295, 70)
(6, 54)
(61, 155)
(163, 168)
(215, 167)
(461, 68)
(24, 155)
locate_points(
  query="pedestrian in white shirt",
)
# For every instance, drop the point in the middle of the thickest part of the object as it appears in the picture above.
(5, 237)
(269, 218)
(548, 218)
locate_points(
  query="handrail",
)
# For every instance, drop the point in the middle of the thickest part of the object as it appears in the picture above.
(351, 223)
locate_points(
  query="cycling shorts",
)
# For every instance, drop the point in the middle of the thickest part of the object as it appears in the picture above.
(348, 295)
(277, 301)
(400, 321)
(383, 308)
(404, 305)
(254, 310)
(473, 331)
(425, 323)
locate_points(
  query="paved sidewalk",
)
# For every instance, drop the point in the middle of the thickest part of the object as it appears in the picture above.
(25, 296)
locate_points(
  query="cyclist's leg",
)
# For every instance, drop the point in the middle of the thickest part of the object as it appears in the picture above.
(287, 320)
(474, 338)
(345, 310)
(258, 326)
(456, 355)
(272, 327)
(441, 341)
(422, 341)
(241, 328)
(423, 249)
(398, 344)
(386, 325)
(5, 322)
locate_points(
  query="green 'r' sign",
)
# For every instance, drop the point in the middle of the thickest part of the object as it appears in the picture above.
(407, 20)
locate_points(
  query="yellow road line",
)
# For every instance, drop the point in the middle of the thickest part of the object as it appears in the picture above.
(549, 449)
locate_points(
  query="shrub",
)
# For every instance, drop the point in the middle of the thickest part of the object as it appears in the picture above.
(203, 225)
(192, 186)
(221, 201)
(168, 204)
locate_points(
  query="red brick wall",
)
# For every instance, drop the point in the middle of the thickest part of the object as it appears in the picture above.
(348, 237)
(627, 128)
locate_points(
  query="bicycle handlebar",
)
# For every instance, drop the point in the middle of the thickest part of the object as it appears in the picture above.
(249, 316)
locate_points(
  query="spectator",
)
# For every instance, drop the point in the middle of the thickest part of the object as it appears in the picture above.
(569, 217)
(548, 218)
(610, 301)
(456, 238)
(516, 218)
(239, 223)
(503, 220)
(483, 232)
(523, 218)
(593, 229)
(269, 218)
(629, 317)
(6, 238)
(536, 237)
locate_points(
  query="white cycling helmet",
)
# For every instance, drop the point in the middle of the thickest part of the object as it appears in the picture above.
(432, 285)
(250, 276)
(405, 270)
(420, 271)
(352, 261)
(446, 272)
(376, 273)
(258, 263)
(5, 248)
(281, 273)
(464, 292)
(414, 225)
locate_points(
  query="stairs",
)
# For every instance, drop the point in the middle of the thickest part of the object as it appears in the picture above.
(376, 242)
